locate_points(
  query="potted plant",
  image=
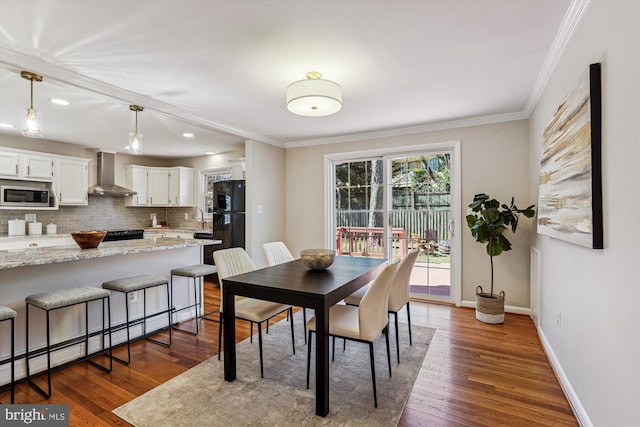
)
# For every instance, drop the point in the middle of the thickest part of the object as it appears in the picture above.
(488, 223)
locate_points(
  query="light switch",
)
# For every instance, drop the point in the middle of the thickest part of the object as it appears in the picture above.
(260, 210)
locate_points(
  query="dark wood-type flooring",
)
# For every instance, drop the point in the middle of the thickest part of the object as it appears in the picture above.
(475, 374)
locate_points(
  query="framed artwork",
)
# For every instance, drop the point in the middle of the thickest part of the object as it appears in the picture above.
(570, 188)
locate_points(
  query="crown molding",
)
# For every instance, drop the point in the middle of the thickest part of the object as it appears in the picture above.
(390, 133)
(572, 18)
(16, 61)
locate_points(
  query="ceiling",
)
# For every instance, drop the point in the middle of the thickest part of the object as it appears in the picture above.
(220, 68)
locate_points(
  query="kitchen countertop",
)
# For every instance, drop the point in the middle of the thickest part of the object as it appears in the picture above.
(12, 258)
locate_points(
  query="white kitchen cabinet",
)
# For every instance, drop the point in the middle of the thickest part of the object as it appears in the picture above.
(9, 164)
(181, 186)
(237, 169)
(158, 186)
(72, 181)
(137, 179)
(26, 165)
(36, 166)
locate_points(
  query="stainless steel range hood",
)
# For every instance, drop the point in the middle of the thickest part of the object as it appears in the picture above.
(105, 183)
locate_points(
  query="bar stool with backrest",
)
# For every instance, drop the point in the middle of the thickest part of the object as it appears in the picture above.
(59, 299)
(231, 262)
(398, 295)
(127, 285)
(278, 253)
(197, 273)
(8, 314)
(362, 323)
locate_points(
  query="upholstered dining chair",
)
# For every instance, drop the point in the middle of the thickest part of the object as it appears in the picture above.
(278, 253)
(398, 295)
(231, 262)
(362, 323)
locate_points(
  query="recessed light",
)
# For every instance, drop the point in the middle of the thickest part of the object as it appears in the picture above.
(59, 101)
(211, 153)
(188, 135)
(7, 126)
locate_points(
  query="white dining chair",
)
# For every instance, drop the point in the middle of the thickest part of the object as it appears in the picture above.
(231, 262)
(362, 323)
(398, 296)
(278, 253)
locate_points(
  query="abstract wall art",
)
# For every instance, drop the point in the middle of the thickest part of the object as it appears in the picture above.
(570, 189)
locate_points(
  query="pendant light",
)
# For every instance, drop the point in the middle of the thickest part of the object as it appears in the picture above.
(314, 96)
(31, 121)
(135, 138)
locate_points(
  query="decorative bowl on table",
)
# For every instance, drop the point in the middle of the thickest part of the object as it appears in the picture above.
(317, 259)
(88, 239)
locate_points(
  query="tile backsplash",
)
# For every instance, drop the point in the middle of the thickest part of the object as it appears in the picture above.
(103, 213)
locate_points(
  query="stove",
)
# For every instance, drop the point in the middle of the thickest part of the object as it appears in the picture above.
(123, 235)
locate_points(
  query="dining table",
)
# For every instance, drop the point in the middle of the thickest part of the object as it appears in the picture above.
(295, 284)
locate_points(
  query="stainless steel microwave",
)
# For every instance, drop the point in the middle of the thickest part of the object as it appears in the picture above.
(15, 195)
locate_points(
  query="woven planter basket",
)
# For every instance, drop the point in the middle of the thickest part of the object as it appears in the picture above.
(489, 308)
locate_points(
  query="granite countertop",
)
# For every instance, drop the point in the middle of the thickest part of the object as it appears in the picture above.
(12, 258)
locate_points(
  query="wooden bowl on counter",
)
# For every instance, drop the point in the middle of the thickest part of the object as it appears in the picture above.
(88, 239)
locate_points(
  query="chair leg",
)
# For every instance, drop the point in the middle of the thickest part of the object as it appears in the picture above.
(219, 335)
(304, 323)
(308, 357)
(251, 331)
(260, 345)
(293, 340)
(373, 375)
(409, 319)
(333, 349)
(386, 336)
(395, 315)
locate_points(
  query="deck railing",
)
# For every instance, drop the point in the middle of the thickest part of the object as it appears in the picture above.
(369, 241)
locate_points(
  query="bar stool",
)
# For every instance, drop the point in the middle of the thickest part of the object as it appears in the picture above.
(8, 314)
(136, 283)
(197, 272)
(55, 300)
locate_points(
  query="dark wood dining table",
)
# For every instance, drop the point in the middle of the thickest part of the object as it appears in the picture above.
(292, 283)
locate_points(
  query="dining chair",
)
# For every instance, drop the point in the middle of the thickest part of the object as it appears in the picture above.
(398, 295)
(278, 253)
(231, 262)
(362, 323)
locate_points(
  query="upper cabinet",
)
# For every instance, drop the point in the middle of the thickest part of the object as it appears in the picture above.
(158, 186)
(72, 181)
(181, 187)
(26, 165)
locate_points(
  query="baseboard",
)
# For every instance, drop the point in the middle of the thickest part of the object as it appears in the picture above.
(572, 397)
(507, 308)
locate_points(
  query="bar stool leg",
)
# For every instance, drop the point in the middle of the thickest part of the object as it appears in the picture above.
(13, 361)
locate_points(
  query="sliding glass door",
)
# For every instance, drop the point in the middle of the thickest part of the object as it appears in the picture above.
(389, 204)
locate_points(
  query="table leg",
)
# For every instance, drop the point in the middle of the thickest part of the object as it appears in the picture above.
(229, 329)
(322, 361)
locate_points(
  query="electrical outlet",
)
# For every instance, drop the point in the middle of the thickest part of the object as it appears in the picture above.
(30, 217)
(186, 216)
(559, 319)
(133, 297)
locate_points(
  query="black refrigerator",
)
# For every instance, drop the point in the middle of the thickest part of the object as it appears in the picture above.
(226, 206)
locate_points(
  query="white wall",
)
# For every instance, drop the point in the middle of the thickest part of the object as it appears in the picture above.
(265, 172)
(596, 348)
(494, 160)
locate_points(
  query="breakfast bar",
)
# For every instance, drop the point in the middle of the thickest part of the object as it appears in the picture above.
(24, 272)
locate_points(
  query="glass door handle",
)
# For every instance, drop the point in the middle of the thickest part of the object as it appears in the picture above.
(450, 226)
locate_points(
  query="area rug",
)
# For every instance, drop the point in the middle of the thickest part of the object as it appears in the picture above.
(201, 397)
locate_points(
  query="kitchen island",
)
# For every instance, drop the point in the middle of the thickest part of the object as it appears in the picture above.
(24, 272)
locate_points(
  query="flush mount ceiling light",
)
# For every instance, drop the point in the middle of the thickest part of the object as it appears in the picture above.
(314, 96)
(31, 121)
(135, 138)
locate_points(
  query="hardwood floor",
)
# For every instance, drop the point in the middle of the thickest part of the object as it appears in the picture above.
(475, 374)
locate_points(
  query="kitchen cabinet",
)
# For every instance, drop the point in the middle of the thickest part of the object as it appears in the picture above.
(72, 181)
(237, 169)
(181, 187)
(137, 178)
(159, 186)
(26, 165)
